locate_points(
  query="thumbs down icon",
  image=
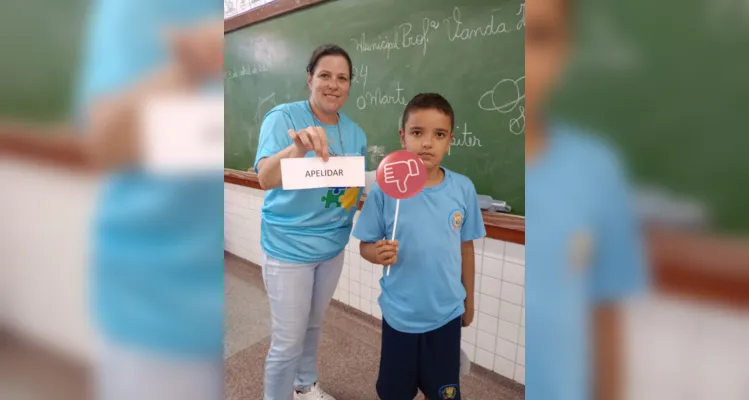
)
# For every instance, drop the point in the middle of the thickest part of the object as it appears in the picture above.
(398, 172)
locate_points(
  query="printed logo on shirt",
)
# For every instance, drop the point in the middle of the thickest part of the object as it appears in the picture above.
(448, 392)
(456, 219)
(581, 250)
(341, 197)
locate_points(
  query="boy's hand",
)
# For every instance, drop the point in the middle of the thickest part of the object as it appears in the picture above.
(468, 316)
(386, 252)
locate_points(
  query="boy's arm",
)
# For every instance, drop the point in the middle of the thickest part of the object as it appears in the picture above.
(472, 229)
(370, 227)
(368, 251)
(609, 352)
(620, 272)
(468, 277)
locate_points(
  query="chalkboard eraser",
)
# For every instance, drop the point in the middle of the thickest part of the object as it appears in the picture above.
(487, 203)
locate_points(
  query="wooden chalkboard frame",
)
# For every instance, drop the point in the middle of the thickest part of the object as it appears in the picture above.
(270, 10)
(506, 227)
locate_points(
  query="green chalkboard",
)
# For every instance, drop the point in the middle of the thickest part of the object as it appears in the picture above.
(39, 47)
(667, 83)
(470, 51)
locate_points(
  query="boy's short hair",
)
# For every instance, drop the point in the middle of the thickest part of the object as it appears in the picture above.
(428, 101)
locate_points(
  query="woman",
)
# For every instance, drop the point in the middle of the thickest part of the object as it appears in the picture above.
(304, 232)
(157, 266)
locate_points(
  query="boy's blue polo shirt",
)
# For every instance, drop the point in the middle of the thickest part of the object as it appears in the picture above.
(424, 290)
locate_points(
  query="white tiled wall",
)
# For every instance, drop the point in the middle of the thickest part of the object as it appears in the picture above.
(44, 230)
(495, 340)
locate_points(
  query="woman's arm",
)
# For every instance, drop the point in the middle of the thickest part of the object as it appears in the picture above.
(113, 116)
(114, 131)
(269, 168)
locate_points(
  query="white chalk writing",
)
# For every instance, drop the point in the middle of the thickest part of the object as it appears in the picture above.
(419, 39)
(506, 97)
(380, 44)
(463, 138)
(246, 70)
(521, 13)
(464, 33)
(406, 35)
(378, 97)
(360, 75)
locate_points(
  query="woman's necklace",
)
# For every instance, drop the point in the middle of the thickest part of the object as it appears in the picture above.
(337, 127)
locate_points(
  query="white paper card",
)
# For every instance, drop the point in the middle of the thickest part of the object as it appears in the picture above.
(312, 172)
(183, 133)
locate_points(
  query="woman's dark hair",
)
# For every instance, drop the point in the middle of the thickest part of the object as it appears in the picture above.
(329, 50)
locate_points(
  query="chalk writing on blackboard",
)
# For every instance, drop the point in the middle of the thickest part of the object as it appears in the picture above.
(407, 35)
(521, 13)
(506, 97)
(456, 31)
(380, 97)
(360, 75)
(246, 70)
(463, 138)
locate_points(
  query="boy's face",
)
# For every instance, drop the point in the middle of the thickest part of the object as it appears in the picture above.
(546, 42)
(428, 134)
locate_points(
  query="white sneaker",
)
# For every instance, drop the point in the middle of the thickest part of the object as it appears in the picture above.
(314, 393)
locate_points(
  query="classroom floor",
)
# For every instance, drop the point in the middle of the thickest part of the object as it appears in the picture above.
(349, 348)
(29, 372)
(348, 357)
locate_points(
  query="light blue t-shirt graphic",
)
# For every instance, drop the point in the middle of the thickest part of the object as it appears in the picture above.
(157, 266)
(583, 248)
(311, 225)
(424, 290)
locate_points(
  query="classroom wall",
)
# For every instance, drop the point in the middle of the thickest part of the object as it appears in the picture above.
(44, 225)
(676, 349)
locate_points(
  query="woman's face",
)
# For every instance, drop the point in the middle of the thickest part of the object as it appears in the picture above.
(330, 83)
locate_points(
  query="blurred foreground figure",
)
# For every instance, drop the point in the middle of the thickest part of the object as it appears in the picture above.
(157, 283)
(583, 246)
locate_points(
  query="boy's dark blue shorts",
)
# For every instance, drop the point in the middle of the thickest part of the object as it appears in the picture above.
(428, 361)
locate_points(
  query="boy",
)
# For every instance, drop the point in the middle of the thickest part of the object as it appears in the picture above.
(428, 295)
(584, 258)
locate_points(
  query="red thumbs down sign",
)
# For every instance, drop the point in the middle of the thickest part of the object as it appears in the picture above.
(401, 174)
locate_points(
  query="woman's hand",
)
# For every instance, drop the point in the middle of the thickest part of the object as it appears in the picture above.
(199, 49)
(311, 138)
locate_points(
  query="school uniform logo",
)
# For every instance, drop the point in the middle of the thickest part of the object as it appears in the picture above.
(455, 220)
(448, 392)
(341, 197)
(580, 250)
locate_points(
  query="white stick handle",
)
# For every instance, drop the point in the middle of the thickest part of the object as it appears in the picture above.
(395, 225)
